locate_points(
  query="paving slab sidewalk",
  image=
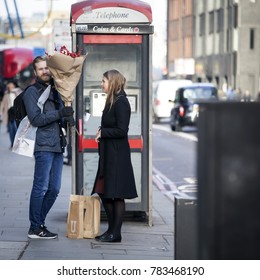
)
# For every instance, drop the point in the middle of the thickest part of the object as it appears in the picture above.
(140, 241)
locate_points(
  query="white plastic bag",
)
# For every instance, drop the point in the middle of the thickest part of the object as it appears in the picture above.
(24, 141)
(25, 136)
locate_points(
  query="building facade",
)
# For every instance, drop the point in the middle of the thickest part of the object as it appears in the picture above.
(225, 41)
(180, 60)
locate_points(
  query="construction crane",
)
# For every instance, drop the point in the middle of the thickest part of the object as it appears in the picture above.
(11, 21)
(11, 24)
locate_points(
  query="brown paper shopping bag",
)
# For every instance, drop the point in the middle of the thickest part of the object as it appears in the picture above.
(83, 217)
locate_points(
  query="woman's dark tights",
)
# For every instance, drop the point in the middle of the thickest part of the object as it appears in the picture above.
(115, 209)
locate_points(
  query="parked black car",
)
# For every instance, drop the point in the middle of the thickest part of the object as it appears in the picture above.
(185, 110)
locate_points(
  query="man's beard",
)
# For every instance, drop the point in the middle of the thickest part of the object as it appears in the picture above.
(45, 78)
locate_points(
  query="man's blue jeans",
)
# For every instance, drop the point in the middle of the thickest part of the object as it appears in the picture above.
(46, 186)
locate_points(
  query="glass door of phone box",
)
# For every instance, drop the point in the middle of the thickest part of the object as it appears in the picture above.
(104, 53)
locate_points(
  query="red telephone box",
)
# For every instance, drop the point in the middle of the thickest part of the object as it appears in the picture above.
(115, 34)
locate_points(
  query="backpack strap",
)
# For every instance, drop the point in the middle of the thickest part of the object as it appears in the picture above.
(19, 107)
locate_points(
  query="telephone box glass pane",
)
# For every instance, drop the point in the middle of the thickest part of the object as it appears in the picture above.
(101, 57)
(126, 58)
(123, 57)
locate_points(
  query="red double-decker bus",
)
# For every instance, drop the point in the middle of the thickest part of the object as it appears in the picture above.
(16, 64)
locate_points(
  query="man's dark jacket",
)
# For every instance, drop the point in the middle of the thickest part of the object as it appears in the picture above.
(48, 135)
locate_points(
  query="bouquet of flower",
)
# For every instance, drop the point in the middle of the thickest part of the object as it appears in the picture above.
(66, 68)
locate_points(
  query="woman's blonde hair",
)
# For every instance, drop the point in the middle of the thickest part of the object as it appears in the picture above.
(116, 83)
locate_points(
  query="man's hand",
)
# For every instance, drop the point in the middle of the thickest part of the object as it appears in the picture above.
(66, 111)
(70, 120)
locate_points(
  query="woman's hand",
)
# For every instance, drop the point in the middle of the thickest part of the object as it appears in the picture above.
(98, 135)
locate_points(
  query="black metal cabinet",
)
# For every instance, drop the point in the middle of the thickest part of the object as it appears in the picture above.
(229, 180)
(185, 224)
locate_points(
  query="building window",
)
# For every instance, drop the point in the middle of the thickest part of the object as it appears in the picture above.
(202, 24)
(220, 20)
(187, 26)
(228, 40)
(194, 25)
(230, 17)
(234, 56)
(183, 25)
(174, 30)
(211, 22)
(235, 21)
(252, 38)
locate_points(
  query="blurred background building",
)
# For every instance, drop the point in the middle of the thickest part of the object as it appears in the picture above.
(203, 40)
(45, 23)
(216, 41)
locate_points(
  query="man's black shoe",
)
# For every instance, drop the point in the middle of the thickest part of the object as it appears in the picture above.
(41, 233)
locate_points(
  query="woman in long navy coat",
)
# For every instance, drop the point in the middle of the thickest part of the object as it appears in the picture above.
(115, 180)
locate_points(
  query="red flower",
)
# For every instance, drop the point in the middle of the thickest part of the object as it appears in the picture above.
(65, 51)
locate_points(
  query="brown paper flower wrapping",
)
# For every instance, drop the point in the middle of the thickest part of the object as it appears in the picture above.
(66, 72)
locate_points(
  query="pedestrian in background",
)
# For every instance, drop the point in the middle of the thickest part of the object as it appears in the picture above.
(7, 111)
(239, 94)
(5, 102)
(247, 96)
(1, 93)
(49, 148)
(115, 180)
(231, 94)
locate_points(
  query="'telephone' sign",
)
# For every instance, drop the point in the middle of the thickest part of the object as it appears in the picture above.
(114, 14)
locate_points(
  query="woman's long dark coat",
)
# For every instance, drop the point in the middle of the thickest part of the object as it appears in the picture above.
(114, 151)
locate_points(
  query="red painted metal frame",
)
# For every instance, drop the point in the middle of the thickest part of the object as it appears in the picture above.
(90, 144)
(112, 39)
(77, 9)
